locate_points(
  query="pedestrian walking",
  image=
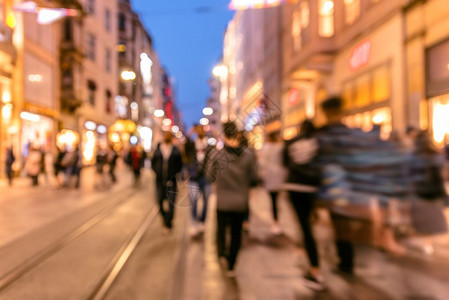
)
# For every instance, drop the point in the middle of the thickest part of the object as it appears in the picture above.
(10, 159)
(196, 153)
(303, 182)
(167, 163)
(100, 162)
(136, 159)
(58, 168)
(112, 162)
(77, 166)
(33, 165)
(233, 169)
(273, 173)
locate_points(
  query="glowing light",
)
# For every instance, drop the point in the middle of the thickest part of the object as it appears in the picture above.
(128, 75)
(256, 4)
(6, 96)
(133, 140)
(145, 68)
(159, 113)
(101, 129)
(134, 106)
(50, 15)
(204, 121)
(29, 117)
(89, 125)
(327, 8)
(146, 134)
(166, 122)
(179, 135)
(212, 142)
(11, 20)
(67, 138)
(115, 137)
(220, 71)
(440, 122)
(35, 78)
(175, 129)
(207, 111)
(121, 48)
(89, 147)
(7, 111)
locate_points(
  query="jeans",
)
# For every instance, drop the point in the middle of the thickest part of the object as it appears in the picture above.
(196, 189)
(303, 204)
(167, 192)
(234, 220)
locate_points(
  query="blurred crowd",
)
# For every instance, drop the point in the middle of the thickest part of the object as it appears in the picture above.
(374, 191)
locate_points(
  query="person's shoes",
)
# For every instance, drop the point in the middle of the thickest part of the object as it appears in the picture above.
(313, 282)
(276, 229)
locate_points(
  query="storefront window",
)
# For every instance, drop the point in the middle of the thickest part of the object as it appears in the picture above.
(381, 84)
(362, 92)
(326, 21)
(348, 96)
(352, 10)
(439, 109)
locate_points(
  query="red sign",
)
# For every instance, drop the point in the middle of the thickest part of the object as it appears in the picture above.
(360, 56)
(293, 97)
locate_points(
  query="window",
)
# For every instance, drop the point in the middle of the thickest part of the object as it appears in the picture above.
(67, 78)
(362, 92)
(326, 21)
(352, 10)
(301, 19)
(107, 60)
(67, 30)
(381, 84)
(91, 88)
(107, 20)
(122, 22)
(90, 46)
(108, 101)
(90, 7)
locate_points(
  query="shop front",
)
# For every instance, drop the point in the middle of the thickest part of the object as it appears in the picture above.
(93, 135)
(369, 75)
(438, 92)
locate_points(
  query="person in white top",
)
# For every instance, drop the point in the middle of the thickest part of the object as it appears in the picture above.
(273, 173)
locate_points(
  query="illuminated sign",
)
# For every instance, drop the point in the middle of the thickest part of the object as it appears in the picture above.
(360, 56)
(293, 97)
(255, 4)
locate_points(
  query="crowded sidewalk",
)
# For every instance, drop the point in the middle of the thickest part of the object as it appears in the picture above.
(271, 267)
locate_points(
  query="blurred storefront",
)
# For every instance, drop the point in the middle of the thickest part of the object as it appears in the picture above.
(427, 59)
(370, 75)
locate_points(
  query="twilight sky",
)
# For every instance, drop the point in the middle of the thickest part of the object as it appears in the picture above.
(188, 36)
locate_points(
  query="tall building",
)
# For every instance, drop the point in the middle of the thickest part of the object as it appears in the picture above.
(8, 110)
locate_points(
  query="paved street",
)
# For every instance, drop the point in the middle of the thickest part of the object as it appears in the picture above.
(177, 266)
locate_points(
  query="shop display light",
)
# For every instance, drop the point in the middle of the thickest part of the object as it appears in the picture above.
(175, 129)
(101, 129)
(7, 111)
(128, 75)
(89, 125)
(29, 117)
(133, 140)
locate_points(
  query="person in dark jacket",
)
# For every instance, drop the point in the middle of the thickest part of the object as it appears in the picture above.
(10, 159)
(167, 163)
(234, 170)
(302, 184)
(112, 161)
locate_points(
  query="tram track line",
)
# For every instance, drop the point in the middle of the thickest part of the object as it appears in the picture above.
(122, 257)
(33, 262)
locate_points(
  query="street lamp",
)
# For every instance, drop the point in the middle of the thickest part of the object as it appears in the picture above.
(204, 121)
(220, 71)
(207, 111)
(159, 113)
(128, 75)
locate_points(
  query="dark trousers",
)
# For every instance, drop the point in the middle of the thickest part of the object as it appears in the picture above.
(9, 174)
(234, 220)
(346, 254)
(303, 204)
(112, 173)
(35, 180)
(167, 192)
(274, 204)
